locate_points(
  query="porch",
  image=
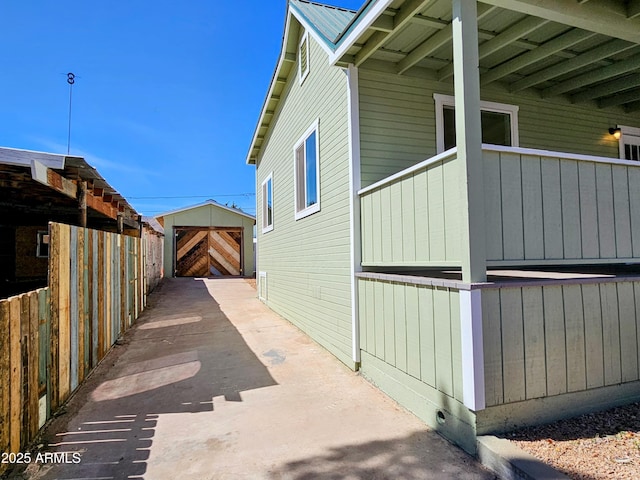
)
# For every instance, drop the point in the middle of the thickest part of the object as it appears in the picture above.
(540, 208)
(526, 347)
(553, 331)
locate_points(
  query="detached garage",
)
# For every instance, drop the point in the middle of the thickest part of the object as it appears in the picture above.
(208, 240)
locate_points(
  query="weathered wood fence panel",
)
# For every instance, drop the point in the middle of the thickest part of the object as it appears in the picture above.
(153, 259)
(50, 339)
(24, 319)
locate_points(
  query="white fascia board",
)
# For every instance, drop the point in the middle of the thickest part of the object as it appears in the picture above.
(23, 158)
(361, 26)
(39, 172)
(276, 73)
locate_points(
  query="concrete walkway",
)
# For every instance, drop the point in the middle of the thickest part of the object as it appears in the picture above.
(211, 384)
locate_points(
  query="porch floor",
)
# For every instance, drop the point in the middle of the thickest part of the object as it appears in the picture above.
(514, 276)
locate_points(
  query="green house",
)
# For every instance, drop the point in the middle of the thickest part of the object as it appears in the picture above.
(449, 201)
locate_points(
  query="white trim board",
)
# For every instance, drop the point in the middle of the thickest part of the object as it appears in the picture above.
(500, 148)
(23, 158)
(473, 391)
(354, 204)
(407, 171)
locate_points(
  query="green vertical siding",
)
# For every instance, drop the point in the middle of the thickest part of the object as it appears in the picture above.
(307, 261)
(537, 209)
(415, 329)
(542, 341)
(412, 349)
(548, 208)
(414, 219)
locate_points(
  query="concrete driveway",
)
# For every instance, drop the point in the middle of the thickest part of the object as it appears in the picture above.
(211, 384)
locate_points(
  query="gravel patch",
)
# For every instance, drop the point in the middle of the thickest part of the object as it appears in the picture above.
(594, 446)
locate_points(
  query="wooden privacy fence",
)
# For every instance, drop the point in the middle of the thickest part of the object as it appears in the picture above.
(50, 339)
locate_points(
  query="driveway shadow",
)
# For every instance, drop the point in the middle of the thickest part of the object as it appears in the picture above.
(421, 455)
(183, 353)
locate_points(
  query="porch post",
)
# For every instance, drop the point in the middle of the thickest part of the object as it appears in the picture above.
(469, 138)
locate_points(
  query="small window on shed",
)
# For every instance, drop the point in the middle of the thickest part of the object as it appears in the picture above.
(303, 57)
(43, 244)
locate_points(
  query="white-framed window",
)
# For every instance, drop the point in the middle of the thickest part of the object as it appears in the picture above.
(499, 123)
(629, 143)
(306, 155)
(303, 57)
(267, 204)
(42, 250)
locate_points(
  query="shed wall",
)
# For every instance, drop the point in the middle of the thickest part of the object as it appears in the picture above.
(207, 216)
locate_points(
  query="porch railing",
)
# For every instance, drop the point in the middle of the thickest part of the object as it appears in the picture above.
(541, 207)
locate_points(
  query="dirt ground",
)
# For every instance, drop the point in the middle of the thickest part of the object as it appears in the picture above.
(602, 445)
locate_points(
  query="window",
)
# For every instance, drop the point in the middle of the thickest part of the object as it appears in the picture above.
(267, 204)
(303, 57)
(307, 177)
(629, 143)
(499, 123)
(42, 250)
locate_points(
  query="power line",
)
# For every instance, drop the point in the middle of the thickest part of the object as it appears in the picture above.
(193, 196)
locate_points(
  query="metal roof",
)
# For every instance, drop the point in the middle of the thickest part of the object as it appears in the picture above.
(23, 195)
(578, 51)
(328, 21)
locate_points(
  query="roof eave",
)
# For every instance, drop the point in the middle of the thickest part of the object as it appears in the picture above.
(363, 20)
(253, 149)
(327, 45)
(204, 204)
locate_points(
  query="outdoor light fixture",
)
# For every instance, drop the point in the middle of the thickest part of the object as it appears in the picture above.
(616, 132)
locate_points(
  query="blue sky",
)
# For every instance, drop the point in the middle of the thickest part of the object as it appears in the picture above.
(166, 97)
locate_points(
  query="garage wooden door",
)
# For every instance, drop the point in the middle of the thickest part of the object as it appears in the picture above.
(208, 252)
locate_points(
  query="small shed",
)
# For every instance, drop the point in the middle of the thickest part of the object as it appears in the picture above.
(208, 240)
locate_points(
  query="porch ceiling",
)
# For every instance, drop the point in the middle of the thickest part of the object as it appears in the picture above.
(586, 50)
